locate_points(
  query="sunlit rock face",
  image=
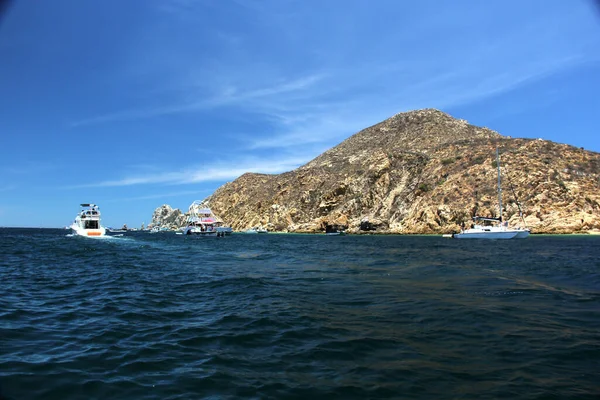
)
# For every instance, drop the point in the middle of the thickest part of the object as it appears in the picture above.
(165, 216)
(422, 172)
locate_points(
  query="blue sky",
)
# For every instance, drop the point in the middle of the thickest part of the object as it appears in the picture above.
(134, 104)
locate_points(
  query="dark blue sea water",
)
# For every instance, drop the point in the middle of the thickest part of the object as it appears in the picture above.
(164, 316)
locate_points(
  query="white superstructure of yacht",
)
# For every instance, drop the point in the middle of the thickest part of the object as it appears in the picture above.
(87, 222)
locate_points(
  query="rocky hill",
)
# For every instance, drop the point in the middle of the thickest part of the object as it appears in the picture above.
(422, 172)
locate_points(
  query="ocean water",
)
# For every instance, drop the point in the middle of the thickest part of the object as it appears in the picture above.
(164, 316)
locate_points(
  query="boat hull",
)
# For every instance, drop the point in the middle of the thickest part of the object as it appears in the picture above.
(485, 235)
(225, 230)
(88, 232)
(87, 222)
(522, 234)
(203, 234)
(492, 232)
(197, 232)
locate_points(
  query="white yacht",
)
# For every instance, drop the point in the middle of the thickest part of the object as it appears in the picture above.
(203, 222)
(493, 228)
(87, 222)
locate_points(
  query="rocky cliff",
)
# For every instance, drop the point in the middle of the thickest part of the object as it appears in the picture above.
(422, 172)
(167, 217)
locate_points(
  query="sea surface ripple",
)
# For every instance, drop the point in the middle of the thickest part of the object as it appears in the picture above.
(163, 316)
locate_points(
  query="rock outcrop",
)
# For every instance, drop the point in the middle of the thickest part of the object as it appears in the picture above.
(167, 217)
(422, 172)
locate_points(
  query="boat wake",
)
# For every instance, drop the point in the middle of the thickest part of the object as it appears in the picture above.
(105, 237)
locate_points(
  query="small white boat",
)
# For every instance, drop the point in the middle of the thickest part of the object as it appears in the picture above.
(87, 222)
(112, 230)
(123, 229)
(256, 229)
(335, 230)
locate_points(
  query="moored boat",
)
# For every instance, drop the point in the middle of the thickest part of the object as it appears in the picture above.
(480, 230)
(335, 230)
(202, 221)
(224, 230)
(493, 228)
(87, 222)
(255, 229)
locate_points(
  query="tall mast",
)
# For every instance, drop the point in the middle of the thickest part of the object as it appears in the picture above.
(499, 182)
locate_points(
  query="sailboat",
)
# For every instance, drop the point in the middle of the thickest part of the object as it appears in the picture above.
(484, 228)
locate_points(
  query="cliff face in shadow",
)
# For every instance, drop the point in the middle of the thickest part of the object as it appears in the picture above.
(422, 172)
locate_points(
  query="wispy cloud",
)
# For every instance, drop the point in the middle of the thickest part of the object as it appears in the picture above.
(337, 120)
(454, 91)
(221, 171)
(311, 129)
(160, 196)
(224, 96)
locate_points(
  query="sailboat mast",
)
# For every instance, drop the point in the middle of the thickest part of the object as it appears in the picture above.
(499, 184)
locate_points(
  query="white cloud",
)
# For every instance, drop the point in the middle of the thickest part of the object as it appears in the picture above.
(216, 171)
(161, 195)
(225, 96)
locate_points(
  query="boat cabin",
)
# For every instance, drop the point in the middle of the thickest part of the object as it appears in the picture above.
(90, 216)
